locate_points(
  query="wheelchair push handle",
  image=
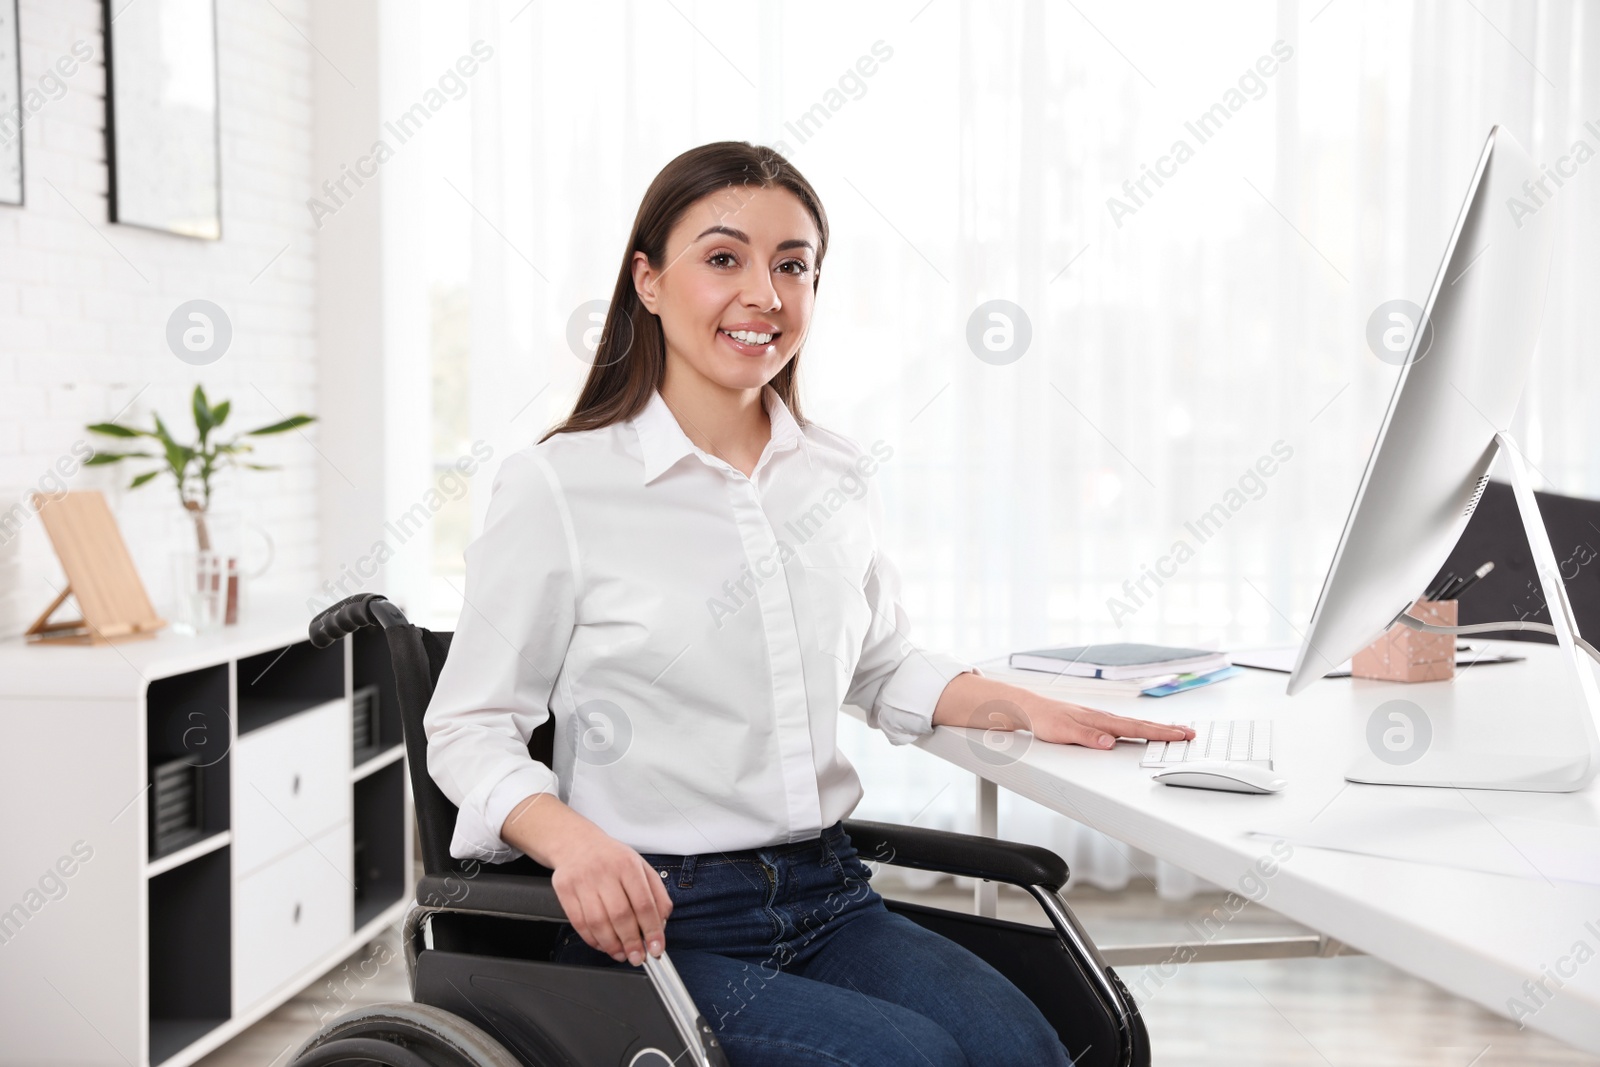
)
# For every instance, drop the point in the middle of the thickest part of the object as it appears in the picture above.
(351, 614)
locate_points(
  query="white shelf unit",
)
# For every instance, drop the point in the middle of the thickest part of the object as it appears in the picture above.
(302, 854)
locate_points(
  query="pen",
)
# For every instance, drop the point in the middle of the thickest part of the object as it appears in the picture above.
(1433, 590)
(1462, 585)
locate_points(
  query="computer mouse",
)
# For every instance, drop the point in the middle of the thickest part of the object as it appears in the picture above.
(1227, 777)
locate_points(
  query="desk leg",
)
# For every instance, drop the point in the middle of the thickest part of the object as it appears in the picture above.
(985, 896)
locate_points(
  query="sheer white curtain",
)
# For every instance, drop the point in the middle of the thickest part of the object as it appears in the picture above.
(1213, 313)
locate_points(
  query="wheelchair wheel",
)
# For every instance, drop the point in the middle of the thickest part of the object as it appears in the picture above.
(401, 1035)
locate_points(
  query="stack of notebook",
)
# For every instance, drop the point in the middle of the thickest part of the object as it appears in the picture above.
(1153, 670)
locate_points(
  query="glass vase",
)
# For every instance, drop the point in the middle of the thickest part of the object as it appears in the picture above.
(210, 568)
(206, 591)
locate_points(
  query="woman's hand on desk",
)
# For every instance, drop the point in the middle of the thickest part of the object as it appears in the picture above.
(614, 899)
(980, 703)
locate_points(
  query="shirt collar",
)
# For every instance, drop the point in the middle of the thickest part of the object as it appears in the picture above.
(663, 443)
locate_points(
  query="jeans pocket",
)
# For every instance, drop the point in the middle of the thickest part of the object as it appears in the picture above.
(853, 868)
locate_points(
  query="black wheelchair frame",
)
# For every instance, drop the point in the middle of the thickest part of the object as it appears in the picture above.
(479, 937)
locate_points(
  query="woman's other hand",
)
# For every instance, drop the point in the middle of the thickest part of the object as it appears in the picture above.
(978, 702)
(614, 900)
(1073, 724)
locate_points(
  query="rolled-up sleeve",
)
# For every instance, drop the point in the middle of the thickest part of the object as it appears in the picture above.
(896, 683)
(505, 656)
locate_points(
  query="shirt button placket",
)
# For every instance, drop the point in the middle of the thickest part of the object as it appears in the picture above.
(797, 764)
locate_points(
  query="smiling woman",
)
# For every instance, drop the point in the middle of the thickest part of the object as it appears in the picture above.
(685, 735)
(683, 244)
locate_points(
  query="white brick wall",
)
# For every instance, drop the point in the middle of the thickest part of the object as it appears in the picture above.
(84, 303)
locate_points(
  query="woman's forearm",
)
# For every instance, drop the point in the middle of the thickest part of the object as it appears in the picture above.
(977, 702)
(546, 829)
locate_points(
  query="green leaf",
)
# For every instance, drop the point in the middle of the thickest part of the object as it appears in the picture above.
(162, 435)
(100, 459)
(178, 456)
(293, 422)
(260, 467)
(137, 482)
(203, 419)
(111, 429)
(219, 414)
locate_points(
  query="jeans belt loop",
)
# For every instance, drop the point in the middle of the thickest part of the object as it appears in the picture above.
(830, 857)
(686, 873)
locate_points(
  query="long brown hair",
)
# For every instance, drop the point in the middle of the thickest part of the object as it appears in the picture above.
(631, 358)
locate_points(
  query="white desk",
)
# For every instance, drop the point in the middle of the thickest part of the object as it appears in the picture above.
(1478, 935)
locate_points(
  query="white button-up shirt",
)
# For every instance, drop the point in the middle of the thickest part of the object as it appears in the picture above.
(694, 632)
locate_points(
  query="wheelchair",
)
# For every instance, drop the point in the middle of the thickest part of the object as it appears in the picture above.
(478, 940)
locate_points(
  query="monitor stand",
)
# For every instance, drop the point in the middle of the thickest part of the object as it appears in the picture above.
(1492, 732)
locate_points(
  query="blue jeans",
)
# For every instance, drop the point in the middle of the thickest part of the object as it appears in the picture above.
(793, 959)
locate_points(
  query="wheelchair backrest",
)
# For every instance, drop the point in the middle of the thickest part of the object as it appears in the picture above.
(416, 656)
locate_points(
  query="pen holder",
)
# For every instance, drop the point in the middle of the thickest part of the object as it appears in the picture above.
(1407, 655)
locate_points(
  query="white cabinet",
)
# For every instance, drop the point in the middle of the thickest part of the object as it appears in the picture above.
(291, 913)
(293, 783)
(188, 915)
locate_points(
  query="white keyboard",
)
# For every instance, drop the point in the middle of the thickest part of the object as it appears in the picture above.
(1230, 740)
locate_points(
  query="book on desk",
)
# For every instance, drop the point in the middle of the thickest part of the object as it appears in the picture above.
(1125, 668)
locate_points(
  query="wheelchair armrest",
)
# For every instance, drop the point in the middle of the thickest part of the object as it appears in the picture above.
(527, 896)
(532, 896)
(952, 853)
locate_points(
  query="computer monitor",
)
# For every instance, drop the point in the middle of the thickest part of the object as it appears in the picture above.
(1448, 419)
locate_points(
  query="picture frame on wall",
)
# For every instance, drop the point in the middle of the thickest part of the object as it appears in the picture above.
(163, 135)
(10, 105)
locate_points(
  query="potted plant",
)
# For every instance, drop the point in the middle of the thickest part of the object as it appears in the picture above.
(191, 467)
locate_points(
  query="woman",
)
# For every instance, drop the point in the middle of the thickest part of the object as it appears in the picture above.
(688, 575)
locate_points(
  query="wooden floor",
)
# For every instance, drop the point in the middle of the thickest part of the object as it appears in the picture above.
(1352, 1010)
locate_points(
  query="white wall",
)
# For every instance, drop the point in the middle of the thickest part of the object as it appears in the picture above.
(84, 303)
(1170, 350)
(372, 320)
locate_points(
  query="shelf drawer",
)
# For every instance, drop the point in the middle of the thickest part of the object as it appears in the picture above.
(293, 783)
(289, 913)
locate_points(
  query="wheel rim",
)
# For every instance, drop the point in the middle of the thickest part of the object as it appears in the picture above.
(362, 1052)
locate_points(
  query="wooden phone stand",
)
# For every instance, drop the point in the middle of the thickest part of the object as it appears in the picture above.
(100, 574)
